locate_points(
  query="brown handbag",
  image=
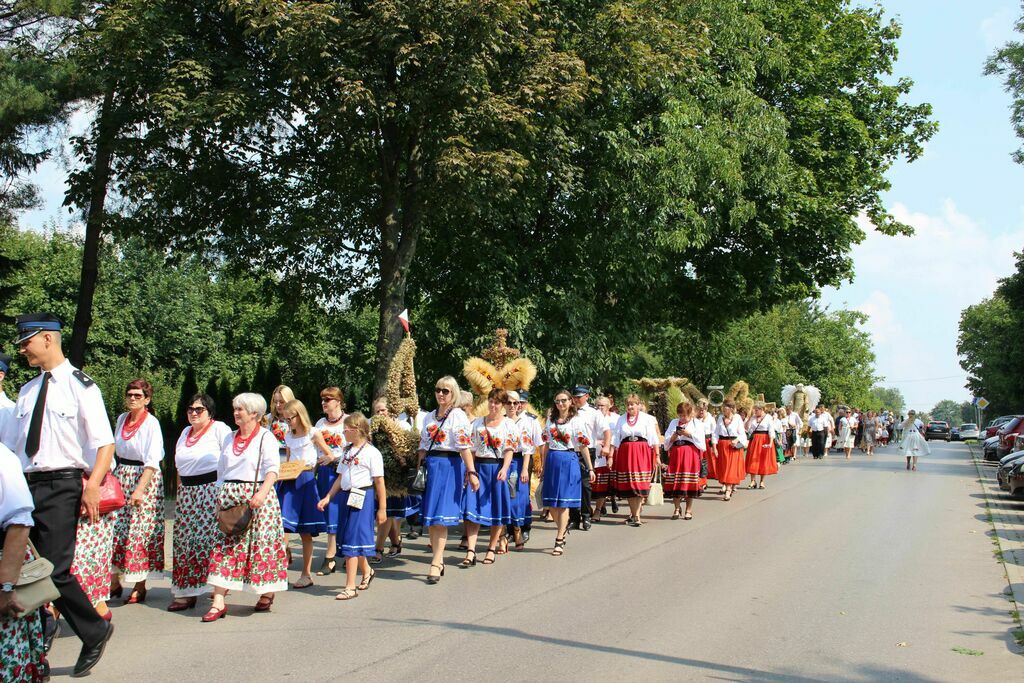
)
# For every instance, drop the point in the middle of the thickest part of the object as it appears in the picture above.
(236, 520)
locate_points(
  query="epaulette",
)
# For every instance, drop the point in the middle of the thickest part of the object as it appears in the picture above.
(85, 379)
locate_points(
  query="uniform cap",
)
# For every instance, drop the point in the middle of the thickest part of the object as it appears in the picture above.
(32, 324)
(580, 390)
(5, 363)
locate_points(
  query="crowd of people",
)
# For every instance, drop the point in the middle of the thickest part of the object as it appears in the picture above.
(243, 488)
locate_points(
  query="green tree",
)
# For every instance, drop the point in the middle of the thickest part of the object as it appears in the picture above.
(889, 398)
(988, 344)
(1008, 63)
(949, 411)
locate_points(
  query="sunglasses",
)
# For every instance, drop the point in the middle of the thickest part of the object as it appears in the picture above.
(197, 411)
(327, 399)
(442, 391)
(561, 400)
(138, 396)
(511, 403)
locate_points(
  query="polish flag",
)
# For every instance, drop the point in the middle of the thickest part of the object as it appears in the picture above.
(403, 318)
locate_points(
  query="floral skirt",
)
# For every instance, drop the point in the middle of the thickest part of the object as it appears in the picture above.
(632, 471)
(256, 560)
(21, 644)
(94, 546)
(761, 456)
(139, 532)
(682, 479)
(195, 529)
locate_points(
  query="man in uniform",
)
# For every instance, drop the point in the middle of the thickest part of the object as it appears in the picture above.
(600, 444)
(58, 418)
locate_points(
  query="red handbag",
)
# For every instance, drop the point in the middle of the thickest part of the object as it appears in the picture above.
(111, 495)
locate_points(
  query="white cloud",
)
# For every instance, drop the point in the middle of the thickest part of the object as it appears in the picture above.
(913, 288)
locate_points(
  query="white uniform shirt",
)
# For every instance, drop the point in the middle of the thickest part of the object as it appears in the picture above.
(565, 437)
(733, 428)
(818, 423)
(595, 425)
(696, 428)
(446, 435)
(334, 435)
(5, 401)
(358, 466)
(302, 448)
(242, 467)
(145, 446)
(203, 456)
(15, 500)
(74, 422)
(492, 442)
(645, 427)
(529, 434)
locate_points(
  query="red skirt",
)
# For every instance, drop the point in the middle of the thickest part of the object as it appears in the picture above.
(683, 475)
(632, 471)
(761, 458)
(731, 469)
(602, 485)
(709, 453)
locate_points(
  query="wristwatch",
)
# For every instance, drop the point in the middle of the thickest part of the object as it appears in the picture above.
(6, 587)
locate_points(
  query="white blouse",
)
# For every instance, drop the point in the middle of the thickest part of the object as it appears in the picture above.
(242, 467)
(334, 434)
(529, 434)
(146, 445)
(709, 426)
(279, 429)
(452, 435)
(302, 447)
(203, 456)
(15, 500)
(565, 437)
(492, 442)
(766, 425)
(733, 428)
(645, 427)
(696, 437)
(357, 467)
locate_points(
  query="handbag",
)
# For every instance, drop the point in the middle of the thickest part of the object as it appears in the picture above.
(235, 520)
(111, 495)
(418, 485)
(657, 493)
(34, 586)
(704, 467)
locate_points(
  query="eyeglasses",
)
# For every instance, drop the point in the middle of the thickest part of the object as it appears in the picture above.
(292, 417)
(511, 403)
(561, 400)
(139, 396)
(198, 410)
(441, 390)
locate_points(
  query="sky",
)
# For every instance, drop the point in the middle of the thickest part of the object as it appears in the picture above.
(963, 198)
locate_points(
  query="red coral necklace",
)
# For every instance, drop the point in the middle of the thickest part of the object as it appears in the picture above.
(129, 430)
(631, 421)
(238, 446)
(191, 439)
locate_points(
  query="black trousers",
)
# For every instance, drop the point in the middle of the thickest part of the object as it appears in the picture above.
(56, 524)
(818, 440)
(576, 515)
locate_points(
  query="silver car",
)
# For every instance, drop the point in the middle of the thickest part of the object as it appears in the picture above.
(1007, 463)
(968, 430)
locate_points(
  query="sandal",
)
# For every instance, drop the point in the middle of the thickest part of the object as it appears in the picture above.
(468, 562)
(751, 485)
(378, 556)
(263, 604)
(487, 556)
(346, 594)
(559, 547)
(413, 534)
(463, 545)
(675, 514)
(761, 485)
(303, 582)
(367, 580)
(519, 546)
(688, 515)
(328, 567)
(396, 550)
(502, 546)
(434, 579)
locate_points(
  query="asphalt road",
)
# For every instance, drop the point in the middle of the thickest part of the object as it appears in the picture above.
(839, 570)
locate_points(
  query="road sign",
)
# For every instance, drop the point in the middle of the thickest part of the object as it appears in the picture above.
(981, 402)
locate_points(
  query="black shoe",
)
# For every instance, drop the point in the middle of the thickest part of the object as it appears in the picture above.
(615, 507)
(50, 629)
(90, 655)
(574, 525)
(585, 526)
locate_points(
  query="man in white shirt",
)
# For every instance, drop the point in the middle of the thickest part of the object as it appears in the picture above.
(820, 425)
(600, 446)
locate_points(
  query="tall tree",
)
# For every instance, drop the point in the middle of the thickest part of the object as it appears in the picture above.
(1007, 62)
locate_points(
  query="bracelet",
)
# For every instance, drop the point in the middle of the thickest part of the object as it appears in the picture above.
(473, 472)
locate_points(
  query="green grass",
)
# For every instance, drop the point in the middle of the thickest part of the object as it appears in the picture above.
(968, 651)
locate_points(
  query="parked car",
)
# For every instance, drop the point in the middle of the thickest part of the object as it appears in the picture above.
(988, 449)
(995, 424)
(1008, 435)
(1015, 481)
(968, 431)
(936, 429)
(954, 433)
(1005, 466)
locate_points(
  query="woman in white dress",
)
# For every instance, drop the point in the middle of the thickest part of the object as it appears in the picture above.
(914, 445)
(845, 433)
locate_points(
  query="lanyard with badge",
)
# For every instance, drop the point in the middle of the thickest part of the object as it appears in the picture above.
(356, 497)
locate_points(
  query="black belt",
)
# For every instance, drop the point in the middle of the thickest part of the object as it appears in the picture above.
(517, 455)
(51, 475)
(442, 454)
(635, 438)
(240, 481)
(198, 479)
(129, 463)
(727, 438)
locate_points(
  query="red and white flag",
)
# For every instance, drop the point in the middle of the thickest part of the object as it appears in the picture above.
(403, 318)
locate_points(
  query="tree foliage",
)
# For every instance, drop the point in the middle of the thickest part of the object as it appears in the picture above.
(1008, 63)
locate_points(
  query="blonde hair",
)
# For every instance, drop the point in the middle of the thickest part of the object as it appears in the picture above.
(296, 406)
(465, 401)
(451, 384)
(358, 422)
(286, 394)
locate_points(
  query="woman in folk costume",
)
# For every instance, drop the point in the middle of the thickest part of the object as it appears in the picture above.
(914, 444)
(275, 420)
(602, 486)
(563, 438)
(635, 438)
(730, 438)
(686, 446)
(707, 420)
(529, 440)
(332, 428)
(138, 526)
(761, 457)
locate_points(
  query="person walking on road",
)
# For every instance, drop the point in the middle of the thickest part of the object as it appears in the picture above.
(685, 443)
(495, 439)
(636, 441)
(600, 437)
(818, 424)
(528, 441)
(914, 444)
(730, 438)
(564, 441)
(761, 458)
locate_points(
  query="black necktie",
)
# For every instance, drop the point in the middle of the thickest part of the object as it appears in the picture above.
(35, 427)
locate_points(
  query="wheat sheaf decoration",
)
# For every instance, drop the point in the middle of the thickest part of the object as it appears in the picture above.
(498, 367)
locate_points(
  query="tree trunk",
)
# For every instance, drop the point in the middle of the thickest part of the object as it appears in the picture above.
(93, 229)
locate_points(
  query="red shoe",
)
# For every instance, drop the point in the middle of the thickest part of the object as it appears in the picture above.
(215, 614)
(178, 606)
(136, 597)
(263, 604)
(109, 616)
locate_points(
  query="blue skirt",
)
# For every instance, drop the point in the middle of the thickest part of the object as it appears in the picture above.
(521, 503)
(325, 477)
(491, 504)
(357, 529)
(403, 506)
(298, 498)
(442, 501)
(562, 480)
